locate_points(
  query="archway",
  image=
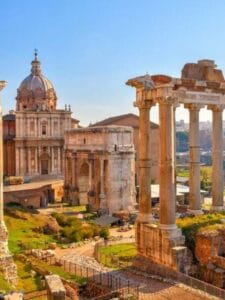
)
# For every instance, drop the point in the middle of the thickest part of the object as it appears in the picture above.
(83, 183)
(44, 164)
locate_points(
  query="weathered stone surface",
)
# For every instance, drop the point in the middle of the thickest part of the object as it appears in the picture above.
(56, 288)
(100, 168)
(204, 70)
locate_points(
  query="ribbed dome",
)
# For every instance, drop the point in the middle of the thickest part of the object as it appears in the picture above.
(33, 82)
(36, 92)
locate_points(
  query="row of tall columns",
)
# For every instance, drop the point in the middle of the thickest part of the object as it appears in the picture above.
(167, 171)
(167, 161)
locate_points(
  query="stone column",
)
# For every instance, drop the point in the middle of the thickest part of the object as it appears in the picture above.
(217, 157)
(73, 170)
(29, 161)
(144, 163)
(103, 203)
(36, 160)
(52, 159)
(17, 161)
(167, 191)
(90, 174)
(59, 161)
(194, 163)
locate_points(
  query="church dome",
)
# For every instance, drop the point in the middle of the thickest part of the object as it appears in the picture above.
(36, 92)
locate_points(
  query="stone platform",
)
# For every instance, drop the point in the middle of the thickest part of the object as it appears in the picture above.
(163, 246)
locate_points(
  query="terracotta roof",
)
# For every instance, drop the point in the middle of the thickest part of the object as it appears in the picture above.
(75, 120)
(112, 120)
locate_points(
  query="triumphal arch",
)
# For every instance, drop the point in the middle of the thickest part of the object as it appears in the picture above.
(201, 85)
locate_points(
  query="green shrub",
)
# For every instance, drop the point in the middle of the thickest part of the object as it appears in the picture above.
(104, 232)
(60, 218)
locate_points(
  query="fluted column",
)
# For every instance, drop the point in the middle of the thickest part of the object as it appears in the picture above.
(52, 160)
(194, 163)
(103, 204)
(217, 157)
(59, 161)
(90, 181)
(167, 186)
(144, 163)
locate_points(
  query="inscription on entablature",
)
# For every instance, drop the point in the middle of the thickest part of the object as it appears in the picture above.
(201, 98)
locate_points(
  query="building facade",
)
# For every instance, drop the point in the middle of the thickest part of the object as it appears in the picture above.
(40, 126)
(100, 168)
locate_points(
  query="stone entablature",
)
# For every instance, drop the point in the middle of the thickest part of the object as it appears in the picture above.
(100, 168)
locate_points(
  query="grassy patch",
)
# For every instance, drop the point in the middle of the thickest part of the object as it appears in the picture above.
(26, 282)
(23, 233)
(117, 256)
(4, 285)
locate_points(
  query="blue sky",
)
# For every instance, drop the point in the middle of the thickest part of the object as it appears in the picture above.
(89, 48)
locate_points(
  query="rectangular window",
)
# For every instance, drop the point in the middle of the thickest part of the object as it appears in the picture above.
(44, 129)
(32, 126)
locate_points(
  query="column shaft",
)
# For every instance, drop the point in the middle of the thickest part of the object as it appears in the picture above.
(144, 165)
(103, 203)
(167, 194)
(217, 160)
(194, 164)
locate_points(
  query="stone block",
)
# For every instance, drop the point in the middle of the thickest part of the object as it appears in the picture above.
(55, 287)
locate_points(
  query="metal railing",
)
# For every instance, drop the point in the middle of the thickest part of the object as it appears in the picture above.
(109, 279)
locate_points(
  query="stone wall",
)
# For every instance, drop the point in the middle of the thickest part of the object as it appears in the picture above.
(210, 253)
(163, 247)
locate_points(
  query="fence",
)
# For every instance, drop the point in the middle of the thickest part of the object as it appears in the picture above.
(110, 280)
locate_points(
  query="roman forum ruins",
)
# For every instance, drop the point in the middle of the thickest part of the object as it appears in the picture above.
(7, 266)
(200, 85)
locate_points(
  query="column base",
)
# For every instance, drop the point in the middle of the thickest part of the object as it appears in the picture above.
(170, 231)
(217, 208)
(163, 244)
(145, 218)
(195, 212)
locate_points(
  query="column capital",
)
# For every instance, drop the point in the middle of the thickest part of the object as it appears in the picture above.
(193, 106)
(216, 107)
(168, 100)
(3, 83)
(144, 104)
